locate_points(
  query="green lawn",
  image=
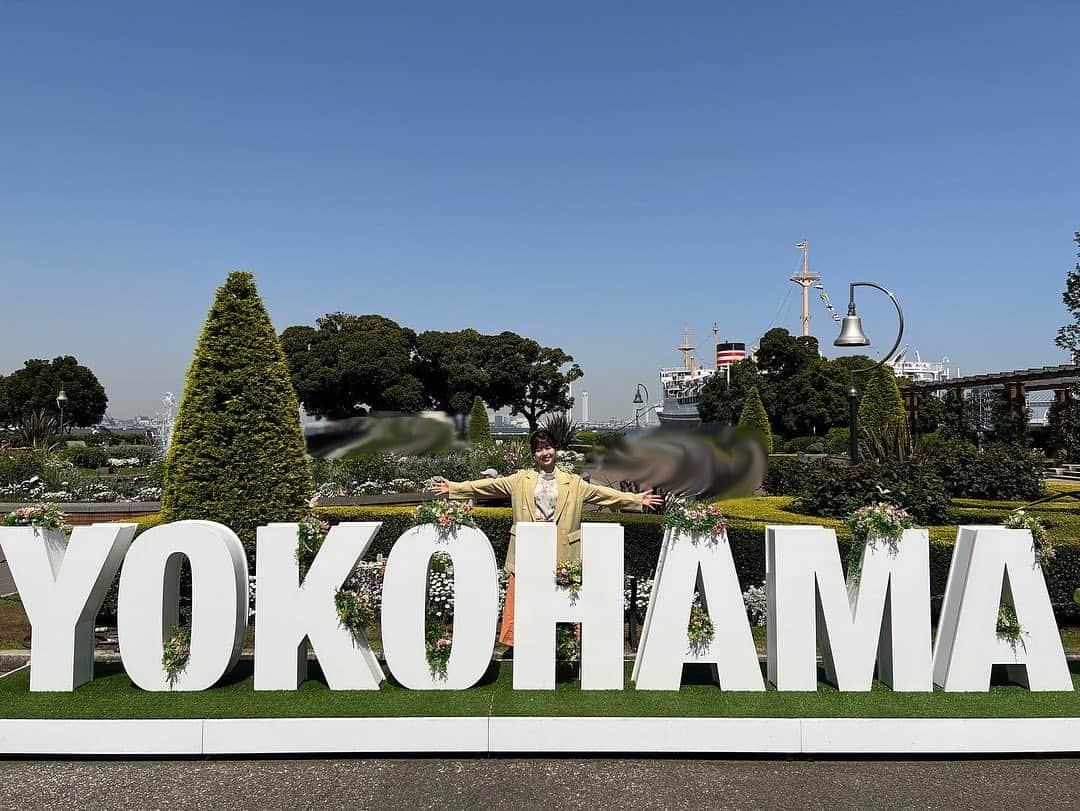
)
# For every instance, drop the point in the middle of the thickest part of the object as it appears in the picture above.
(112, 695)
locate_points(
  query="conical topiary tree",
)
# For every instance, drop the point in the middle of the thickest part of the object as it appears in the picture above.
(237, 454)
(479, 425)
(755, 419)
(880, 404)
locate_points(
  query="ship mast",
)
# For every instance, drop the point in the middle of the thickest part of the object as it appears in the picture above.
(686, 349)
(806, 279)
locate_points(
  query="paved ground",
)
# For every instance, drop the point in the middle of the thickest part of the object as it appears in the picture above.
(535, 783)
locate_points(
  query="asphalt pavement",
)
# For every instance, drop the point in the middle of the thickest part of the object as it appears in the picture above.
(521, 783)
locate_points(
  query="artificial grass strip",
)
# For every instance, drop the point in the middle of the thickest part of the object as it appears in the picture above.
(112, 695)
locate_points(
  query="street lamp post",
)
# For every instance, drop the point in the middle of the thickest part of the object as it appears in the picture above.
(61, 398)
(851, 334)
(638, 401)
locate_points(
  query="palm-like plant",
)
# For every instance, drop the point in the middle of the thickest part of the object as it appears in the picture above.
(562, 428)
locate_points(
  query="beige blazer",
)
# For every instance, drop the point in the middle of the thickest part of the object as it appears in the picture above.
(573, 491)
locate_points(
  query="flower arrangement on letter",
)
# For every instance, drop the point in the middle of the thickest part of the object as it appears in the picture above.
(355, 606)
(568, 578)
(310, 534)
(177, 650)
(867, 524)
(45, 515)
(444, 514)
(698, 521)
(1040, 538)
(438, 656)
(699, 630)
(1008, 626)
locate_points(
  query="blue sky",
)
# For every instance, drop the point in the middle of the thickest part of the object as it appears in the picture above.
(594, 175)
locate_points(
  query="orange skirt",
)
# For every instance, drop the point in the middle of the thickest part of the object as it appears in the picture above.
(506, 633)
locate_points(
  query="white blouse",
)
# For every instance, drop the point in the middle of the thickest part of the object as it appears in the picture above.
(546, 496)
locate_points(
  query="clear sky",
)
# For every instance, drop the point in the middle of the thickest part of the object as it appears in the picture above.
(593, 175)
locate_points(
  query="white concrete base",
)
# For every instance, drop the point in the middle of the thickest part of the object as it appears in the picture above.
(265, 736)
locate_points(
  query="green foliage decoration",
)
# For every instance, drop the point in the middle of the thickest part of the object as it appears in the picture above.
(237, 454)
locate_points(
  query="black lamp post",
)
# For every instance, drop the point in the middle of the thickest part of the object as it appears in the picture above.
(638, 401)
(851, 334)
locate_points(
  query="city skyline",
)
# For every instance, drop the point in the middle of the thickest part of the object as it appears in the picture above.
(596, 179)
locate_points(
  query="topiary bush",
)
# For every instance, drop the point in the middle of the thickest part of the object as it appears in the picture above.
(784, 476)
(237, 453)
(754, 419)
(479, 424)
(1000, 472)
(836, 490)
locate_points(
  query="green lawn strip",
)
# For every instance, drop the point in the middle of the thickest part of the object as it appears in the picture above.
(699, 698)
(111, 695)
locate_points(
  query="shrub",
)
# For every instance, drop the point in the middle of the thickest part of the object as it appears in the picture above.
(479, 425)
(799, 444)
(754, 419)
(88, 457)
(816, 447)
(838, 439)
(1000, 472)
(237, 454)
(836, 490)
(16, 466)
(784, 476)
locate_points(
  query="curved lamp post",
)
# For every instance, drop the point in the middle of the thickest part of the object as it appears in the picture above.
(851, 334)
(638, 401)
(61, 398)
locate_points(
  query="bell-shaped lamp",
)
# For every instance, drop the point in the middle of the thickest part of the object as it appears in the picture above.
(851, 332)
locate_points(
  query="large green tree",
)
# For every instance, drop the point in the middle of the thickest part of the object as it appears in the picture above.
(28, 396)
(1068, 337)
(237, 454)
(452, 368)
(349, 364)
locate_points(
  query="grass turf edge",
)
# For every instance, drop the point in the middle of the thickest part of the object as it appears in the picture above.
(112, 696)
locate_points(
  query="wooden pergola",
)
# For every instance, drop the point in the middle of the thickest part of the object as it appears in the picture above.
(1015, 386)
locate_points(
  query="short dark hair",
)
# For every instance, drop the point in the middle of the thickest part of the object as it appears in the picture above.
(542, 435)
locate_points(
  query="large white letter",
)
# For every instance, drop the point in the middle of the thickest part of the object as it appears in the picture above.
(884, 617)
(288, 613)
(1001, 566)
(688, 563)
(539, 604)
(476, 607)
(149, 603)
(62, 591)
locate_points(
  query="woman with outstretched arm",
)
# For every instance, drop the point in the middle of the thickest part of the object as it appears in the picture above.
(545, 494)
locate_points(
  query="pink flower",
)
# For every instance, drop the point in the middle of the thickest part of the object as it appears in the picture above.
(442, 643)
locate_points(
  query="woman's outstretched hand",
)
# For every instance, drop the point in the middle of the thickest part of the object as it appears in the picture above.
(651, 499)
(441, 487)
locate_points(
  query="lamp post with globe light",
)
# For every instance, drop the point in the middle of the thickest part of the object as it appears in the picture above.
(61, 398)
(851, 334)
